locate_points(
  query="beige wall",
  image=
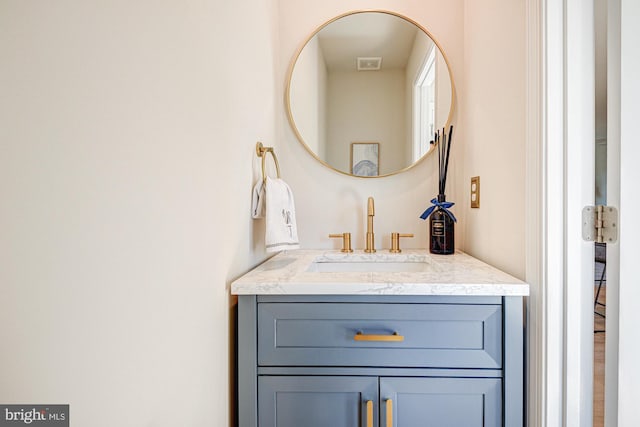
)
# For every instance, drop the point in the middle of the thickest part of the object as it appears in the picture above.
(127, 134)
(493, 110)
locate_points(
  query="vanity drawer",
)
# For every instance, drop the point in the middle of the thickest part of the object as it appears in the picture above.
(362, 334)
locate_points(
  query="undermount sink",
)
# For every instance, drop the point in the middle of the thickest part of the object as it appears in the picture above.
(371, 264)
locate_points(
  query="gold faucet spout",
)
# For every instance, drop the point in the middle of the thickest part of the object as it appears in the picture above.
(370, 245)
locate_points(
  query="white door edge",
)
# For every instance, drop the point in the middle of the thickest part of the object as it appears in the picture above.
(560, 328)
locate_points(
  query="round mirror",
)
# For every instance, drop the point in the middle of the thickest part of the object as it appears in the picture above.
(367, 92)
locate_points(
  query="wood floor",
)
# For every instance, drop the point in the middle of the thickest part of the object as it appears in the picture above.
(598, 357)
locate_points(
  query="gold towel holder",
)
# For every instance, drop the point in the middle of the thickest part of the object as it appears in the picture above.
(261, 150)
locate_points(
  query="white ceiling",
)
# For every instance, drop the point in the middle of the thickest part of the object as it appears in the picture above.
(367, 35)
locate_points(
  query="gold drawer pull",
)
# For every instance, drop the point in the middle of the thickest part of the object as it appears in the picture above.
(359, 336)
(389, 413)
(369, 413)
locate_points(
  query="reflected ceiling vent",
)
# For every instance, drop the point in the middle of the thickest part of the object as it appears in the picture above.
(369, 63)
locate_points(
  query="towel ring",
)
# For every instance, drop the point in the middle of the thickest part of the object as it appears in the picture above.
(261, 150)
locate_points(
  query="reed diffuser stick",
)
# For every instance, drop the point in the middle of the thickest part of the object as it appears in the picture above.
(446, 167)
(441, 143)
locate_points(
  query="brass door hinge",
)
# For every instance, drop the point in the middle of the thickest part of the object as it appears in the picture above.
(600, 224)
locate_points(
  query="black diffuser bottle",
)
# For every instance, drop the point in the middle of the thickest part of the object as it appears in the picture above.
(441, 219)
(441, 229)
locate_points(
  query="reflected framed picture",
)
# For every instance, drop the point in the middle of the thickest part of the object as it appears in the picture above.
(365, 158)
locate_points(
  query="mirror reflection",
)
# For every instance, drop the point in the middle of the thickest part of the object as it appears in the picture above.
(367, 92)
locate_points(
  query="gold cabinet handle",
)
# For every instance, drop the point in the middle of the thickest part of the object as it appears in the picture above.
(389, 413)
(359, 336)
(369, 413)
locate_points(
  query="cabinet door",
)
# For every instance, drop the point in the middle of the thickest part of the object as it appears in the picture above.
(440, 402)
(316, 401)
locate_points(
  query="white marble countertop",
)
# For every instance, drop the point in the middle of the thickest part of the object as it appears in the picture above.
(289, 273)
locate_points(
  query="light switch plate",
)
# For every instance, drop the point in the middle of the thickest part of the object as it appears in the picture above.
(475, 192)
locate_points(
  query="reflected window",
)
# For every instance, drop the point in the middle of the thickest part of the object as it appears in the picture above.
(424, 111)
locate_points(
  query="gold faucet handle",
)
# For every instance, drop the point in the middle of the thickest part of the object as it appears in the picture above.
(395, 242)
(346, 241)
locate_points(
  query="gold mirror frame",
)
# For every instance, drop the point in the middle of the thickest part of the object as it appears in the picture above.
(304, 44)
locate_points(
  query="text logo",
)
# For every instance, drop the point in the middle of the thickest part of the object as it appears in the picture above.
(34, 415)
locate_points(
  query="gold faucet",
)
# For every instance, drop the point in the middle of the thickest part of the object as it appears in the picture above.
(370, 246)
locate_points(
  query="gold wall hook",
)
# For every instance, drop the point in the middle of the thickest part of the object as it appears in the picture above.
(261, 151)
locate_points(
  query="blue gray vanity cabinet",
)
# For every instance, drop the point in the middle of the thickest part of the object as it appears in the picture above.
(318, 360)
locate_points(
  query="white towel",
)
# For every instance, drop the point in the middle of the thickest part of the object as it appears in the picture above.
(257, 200)
(273, 200)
